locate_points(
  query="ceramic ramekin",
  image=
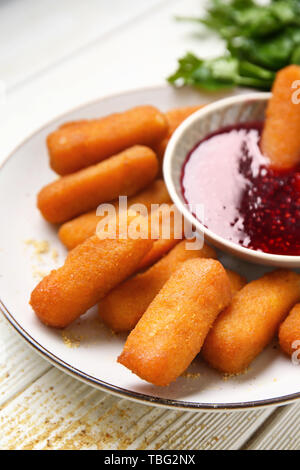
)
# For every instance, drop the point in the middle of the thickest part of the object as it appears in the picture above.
(225, 112)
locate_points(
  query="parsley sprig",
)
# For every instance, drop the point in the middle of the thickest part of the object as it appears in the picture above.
(260, 40)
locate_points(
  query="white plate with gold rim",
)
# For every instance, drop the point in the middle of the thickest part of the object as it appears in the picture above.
(86, 349)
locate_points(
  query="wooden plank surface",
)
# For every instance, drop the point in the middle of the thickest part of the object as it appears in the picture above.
(55, 411)
(279, 432)
(19, 364)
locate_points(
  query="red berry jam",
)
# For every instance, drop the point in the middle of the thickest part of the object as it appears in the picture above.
(240, 197)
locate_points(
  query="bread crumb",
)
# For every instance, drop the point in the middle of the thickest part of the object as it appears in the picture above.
(54, 255)
(191, 375)
(40, 247)
(231, 376)
(37, 273)
(70, 339)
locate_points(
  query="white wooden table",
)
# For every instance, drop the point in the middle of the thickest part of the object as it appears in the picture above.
(54, 56)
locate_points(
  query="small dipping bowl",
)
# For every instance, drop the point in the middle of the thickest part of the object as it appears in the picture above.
(239, 109)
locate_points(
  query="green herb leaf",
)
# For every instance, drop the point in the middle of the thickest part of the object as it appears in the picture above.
(220, 73)
(260, 40)
(272, 53)
(296, 56)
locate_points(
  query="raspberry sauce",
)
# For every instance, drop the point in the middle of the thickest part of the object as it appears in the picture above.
(228, 185)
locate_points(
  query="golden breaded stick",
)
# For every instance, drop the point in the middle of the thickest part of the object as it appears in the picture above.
(90, 271)
(79, 229)
(174, 118)
(80, 144)
(160, 248)
(172, 330)
(73, 124)
(71, 195)
(165, 222)
(177, 115)
(247, 326)
(289, 332)
(280, 139)
(170, 233)
(122, 308)
(236, 281)
(167, 229)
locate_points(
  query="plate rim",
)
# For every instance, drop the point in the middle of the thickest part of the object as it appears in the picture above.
(101, 384)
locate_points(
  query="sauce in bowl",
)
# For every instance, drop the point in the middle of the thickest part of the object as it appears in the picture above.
(229, 187)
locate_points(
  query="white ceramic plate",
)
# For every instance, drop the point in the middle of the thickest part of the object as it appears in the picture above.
(272, 379)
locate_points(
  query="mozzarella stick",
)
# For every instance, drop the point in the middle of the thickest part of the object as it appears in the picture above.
(172, 330)
(281, 134)
(177, 115)
(122, 308)
(73, 124)
(236, 281)
(71, 195)
(174, 118)
(90, 271)
(289, 332)
(78, 145)
(170, 232)
(166, 229)
(160, 248)
(248, 325)
(79, 229)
